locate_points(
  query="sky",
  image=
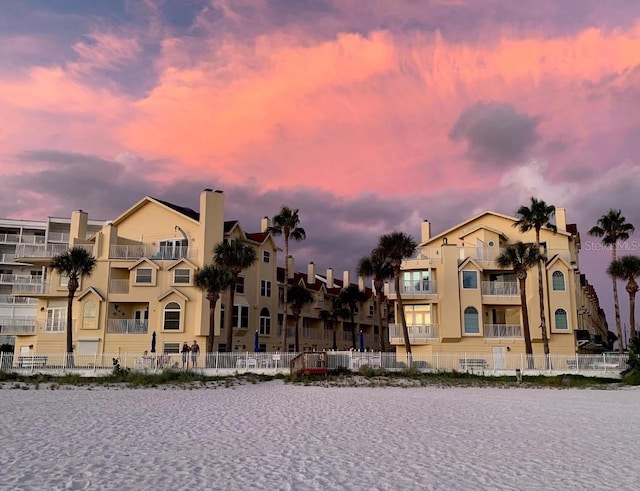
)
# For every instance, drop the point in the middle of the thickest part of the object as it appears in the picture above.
(368, 117)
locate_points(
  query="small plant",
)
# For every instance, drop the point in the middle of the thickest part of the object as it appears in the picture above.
(119, 373)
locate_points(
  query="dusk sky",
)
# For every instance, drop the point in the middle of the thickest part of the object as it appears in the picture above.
(368, 116)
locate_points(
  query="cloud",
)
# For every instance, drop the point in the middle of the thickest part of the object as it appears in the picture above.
(495, 133)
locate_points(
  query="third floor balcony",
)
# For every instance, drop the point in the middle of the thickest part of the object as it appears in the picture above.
(414, 289)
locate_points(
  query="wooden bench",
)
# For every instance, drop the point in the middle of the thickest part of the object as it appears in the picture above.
(34, 361)
(473, 363)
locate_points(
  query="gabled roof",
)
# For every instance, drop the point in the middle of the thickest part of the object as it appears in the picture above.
(259, 237)
(173, 290)
(555, 259)
(230, 225)
(144, 260)
(187, 212)
(468, 261)
(485, 227)
(90, 290)
(181, 261)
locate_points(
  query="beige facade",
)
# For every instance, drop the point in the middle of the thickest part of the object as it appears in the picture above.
(458, 300)
(143, 284)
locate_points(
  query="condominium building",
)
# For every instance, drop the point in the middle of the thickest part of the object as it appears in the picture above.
(18, 314)
(143, 285)
(457, 299)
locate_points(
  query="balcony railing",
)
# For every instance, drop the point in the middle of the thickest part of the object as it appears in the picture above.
(428, 331)
(21, 239)
(59, 237)
(12, 326)
(408, 287)
(7, 258)
(53, 325)
(127, 326)
(119, 286)
(10, 279)
(500, 288)
(31, 288)
(313, 333)
(47, 250)
(11, 300)
(502, 331)
(138, 251)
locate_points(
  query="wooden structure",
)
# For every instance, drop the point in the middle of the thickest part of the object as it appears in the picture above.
(310, 364)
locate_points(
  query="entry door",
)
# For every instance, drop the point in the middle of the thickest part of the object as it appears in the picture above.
(498, 358)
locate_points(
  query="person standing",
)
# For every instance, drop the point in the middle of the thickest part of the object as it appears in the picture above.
(195, 351)
(185, 354)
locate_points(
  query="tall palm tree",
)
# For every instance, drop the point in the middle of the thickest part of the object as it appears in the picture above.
(352, 297)
(521, 258)
(75, 263)
(393, 248)
(299, 296)
(628, 268)
(287, 224)
(613, 228)
(212, 279)
(331, 317)
(372, 266)
(236, 256)
(535, 217)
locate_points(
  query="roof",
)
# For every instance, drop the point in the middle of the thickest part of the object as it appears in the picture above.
(188, 212)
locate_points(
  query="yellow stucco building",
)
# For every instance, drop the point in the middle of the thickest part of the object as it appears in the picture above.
(458, 300)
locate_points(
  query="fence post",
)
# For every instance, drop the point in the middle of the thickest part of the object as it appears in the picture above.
(1, 364)
(437, 362)
(521, 362)
(577, 363)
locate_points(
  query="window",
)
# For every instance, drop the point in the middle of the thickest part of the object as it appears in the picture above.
(241, 312)
(240, 285)
(471, 324)
(416, 281)
(265, 322)
(222, 347)
(418, 315)
(371, 310)
(171, 321)
(56, 320)
(182, 276)
(64, 280)
(557, 279)
(172, 249)
(143, 275)
(265, 288)
(470, 279)
(171, 348)
(266, 256)
(222, 324)
(561, 320)
(89, 314)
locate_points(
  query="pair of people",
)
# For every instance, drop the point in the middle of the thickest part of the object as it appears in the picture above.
(194, 349)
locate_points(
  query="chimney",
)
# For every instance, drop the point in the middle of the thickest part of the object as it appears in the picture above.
(345, 279)
(426, 230)
(361, 283)
(265, 224)
(78, 228)
(329, 278)
(561, 219)
(311, 273)
(211, 222)
(291, 265)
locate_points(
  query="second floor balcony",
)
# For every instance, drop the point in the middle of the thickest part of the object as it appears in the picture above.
(127, 326)
(414, 289)
(501, 331)
(417, 333)
(10, 279)
(35, 288)
(16, 326)
(21, 239)
(138, 251)
(500, 288)
(11, 300)
(29, 252)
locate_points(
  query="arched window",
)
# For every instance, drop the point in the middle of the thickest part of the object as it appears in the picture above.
(557, 280)
(561, 319)
(171, 317)
(89, 315)
(471, 324)
(265, 322)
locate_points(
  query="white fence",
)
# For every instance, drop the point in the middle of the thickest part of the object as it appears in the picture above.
(606, 364)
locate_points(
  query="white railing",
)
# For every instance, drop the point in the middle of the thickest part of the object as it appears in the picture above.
(128, 251)
(17, 325)
(127, 326)
(425, 331)
(608, 365)
(500, 288)
(119, 286)
(312, 333)
(47, 250)
(408, 287)
(10, 279)
(31, 288)
(58, 237)
(7, 258)
(138, 251)
(502, 331)
(53, 325)
(21, 239)
(11, 300)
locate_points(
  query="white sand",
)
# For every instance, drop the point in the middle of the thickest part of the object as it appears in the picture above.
(276, 436)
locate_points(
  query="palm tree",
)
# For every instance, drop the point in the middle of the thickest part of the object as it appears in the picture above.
(372, 266)
(287, 224)
(521, 258)
(299, 296)
(613, 228)
(393, 248)
(75, 264)
(331, 317)
(535, 217)
(212, 279)
(236, 256)
(352, 297)
(628, 268)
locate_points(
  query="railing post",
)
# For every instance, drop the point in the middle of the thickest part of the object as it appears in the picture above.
(577, 363)
(521, 362)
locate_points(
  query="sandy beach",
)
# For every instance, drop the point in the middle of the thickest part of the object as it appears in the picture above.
(288, 437)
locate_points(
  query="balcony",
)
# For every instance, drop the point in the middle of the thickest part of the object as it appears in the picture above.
(11, 300)
(53, 325)
(502, 331)
(127, 326)
(7, 258)
(414, 289)
(138, 251)
(58, 237)
(417, 333)
(10, 279)
(21, 239)
(500, 289)
(16, 326)
(313, 333)
(44, 252)
(119, 286)
(35, 288)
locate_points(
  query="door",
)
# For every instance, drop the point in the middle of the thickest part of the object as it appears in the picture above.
(498, 358)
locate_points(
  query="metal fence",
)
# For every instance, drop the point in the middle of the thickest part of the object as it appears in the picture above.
(606, 364)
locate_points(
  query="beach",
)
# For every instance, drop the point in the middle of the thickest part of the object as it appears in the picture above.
(278, 436)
